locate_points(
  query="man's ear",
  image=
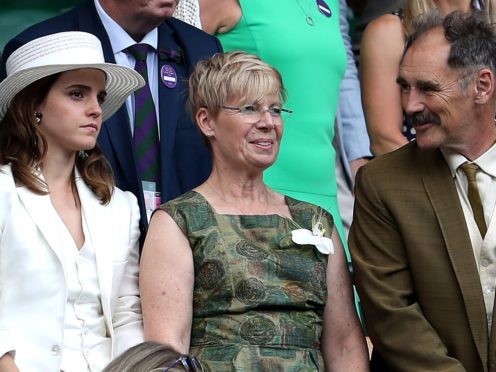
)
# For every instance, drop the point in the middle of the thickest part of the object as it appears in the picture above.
(484, 86)
(205, 121)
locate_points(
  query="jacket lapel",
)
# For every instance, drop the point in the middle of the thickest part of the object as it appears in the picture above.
(170, 102)
(442, 193)
(96, 217)
(44, 215)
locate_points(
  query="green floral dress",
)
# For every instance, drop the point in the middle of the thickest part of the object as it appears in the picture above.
(258, 297)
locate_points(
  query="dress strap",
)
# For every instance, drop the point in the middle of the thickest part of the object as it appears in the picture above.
(399, 13)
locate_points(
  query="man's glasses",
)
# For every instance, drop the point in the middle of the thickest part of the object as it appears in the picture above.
(190, 363)
(254, 113)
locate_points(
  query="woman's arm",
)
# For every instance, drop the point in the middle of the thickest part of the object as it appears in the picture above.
(166, 283)
(380, 56)
(342, 342)
(219, 16)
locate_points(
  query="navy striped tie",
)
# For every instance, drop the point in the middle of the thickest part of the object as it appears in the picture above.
(146, 141)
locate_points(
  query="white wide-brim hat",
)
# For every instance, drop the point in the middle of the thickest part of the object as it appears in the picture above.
(61, 52)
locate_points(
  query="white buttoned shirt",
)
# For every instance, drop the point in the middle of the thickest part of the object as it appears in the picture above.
(484, 249)
(87, 347)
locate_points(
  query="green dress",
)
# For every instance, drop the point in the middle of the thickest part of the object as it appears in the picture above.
(312, 61)
(258, 297)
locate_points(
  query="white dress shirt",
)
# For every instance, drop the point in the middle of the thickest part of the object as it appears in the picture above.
(86, 346)
(484, 249)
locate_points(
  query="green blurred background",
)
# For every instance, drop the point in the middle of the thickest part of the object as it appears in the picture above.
(16, 15)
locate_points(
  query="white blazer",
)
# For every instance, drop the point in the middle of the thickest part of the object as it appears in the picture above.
(33, 291)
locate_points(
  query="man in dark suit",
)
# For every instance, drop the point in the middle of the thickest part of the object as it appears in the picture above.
(176, 47)
(423, 238)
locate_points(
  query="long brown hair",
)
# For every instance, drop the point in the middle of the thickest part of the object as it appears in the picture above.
(23, 146)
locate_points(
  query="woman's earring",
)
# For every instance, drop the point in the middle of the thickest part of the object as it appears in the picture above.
(37, 117)
(210, 134)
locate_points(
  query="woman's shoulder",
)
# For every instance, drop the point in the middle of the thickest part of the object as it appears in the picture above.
(304, 212)
(388, 21)
(5, 171)
(124, 201)
(190, 211)
(7, 192)
(383, 41)
(121, 197)
(385, 28)
(299, 204)
(6, 178)
(187, 200)
(188, 205)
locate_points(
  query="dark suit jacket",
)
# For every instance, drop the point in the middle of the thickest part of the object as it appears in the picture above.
(415, 269)
(185, 160)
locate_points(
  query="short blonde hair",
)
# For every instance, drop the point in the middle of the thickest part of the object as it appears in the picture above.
(232, 78)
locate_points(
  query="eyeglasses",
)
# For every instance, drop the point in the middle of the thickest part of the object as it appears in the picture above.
(190, 363)
(255, 113)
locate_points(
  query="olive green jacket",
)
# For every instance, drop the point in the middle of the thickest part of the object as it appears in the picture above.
(415, 269)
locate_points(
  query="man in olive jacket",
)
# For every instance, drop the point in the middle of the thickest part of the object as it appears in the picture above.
(425, 267)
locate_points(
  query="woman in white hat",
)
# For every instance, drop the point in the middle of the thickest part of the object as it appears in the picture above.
(69, 295)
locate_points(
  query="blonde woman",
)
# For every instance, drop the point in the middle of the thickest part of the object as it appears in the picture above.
(222, 276)
(380, 54)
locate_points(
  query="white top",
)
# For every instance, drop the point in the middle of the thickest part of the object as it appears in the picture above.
(484, 249)
(86, 344)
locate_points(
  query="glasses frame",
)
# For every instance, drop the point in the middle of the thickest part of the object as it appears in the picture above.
(189, 362)
(261, 111)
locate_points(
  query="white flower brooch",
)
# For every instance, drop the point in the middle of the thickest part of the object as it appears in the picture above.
(315, 237)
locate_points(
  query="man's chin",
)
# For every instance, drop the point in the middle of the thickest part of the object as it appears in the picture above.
(425, 143)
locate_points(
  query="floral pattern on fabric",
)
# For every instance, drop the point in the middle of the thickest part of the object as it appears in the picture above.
(258, 297)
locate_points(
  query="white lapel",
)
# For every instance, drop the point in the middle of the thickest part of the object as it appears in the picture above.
(44, 215)
(96, 216)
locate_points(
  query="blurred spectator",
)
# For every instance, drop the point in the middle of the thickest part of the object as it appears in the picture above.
(350, 139)
(188, 11)
(366, 11)
(151, 356)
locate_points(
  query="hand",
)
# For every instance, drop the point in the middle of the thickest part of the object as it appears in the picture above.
(7, 364)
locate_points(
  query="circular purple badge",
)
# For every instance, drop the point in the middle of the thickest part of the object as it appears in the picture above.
(324, 8)
(169, 76)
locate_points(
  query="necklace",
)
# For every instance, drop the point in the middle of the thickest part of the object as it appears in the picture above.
(308, 18)
(234, 204)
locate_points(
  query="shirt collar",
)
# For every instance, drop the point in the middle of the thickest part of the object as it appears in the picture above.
(119, 38)
(486, 162)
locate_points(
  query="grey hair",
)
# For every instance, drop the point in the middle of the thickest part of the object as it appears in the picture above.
(472, 41)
